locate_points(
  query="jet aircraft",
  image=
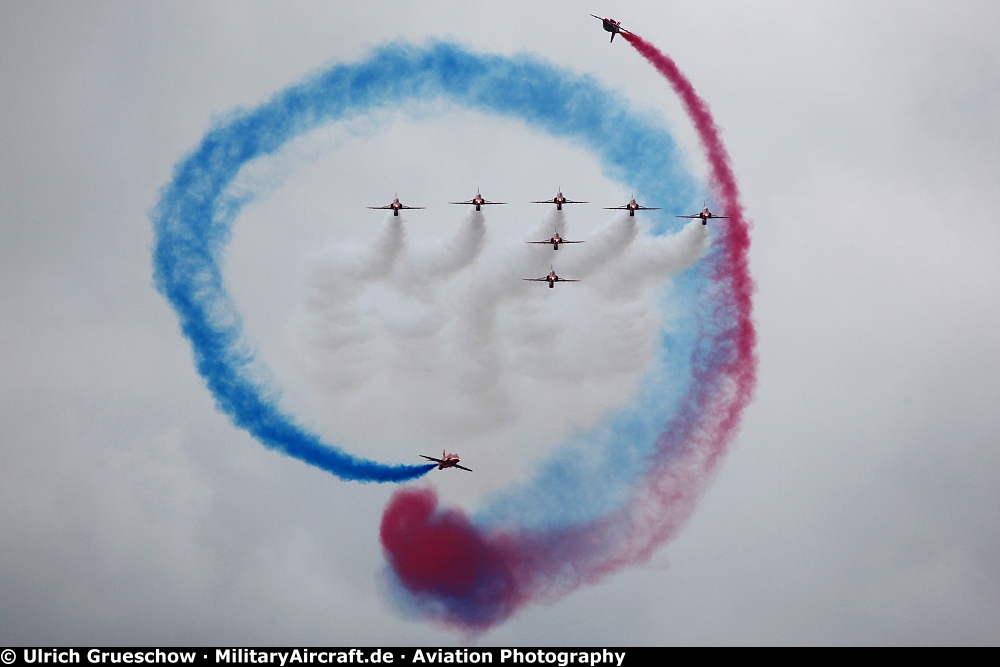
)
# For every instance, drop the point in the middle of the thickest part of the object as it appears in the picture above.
(447, 461)
(478, 201)
(552, 278)
(611, 25)
(705, 215)
(559, 200)
(631, 207)
(395, 206)
(555, 241)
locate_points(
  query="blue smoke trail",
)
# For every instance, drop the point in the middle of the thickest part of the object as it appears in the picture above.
(194, 216)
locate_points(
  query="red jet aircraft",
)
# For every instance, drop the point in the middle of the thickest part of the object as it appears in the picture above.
(631, 207)
(611, 25)
(705, 215)
(395, 206)
(559, 200)
(478, 201)
(555, 241)
(447, 461)
(552, 278)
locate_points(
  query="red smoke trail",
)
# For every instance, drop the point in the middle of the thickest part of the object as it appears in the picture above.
(473, 577)
(736, 270)
(723, 389)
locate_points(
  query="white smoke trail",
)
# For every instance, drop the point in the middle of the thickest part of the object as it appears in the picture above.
(645, 264)
(442, 258)
(604, 246)
(334, 320)
(447, 338)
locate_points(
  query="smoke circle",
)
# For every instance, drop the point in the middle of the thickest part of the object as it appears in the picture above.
(579, 517)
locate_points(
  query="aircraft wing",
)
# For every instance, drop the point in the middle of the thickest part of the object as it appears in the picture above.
(642, 208)
(540, 280)
(564, 201)
(472, 203)
(462, 467)
(567, 280)
(431, 458)
(550, 242)
(687, 216)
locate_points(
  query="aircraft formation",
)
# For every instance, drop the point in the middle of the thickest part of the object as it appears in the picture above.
(559, 200)
(452, 460)
(614, 27)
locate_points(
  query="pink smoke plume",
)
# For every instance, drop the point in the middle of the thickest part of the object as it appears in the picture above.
(473, 577)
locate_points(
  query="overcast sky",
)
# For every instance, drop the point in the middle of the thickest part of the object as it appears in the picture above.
(859, 504)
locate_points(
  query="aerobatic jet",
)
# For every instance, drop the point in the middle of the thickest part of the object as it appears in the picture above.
(395, 206)
(631, 207)
(478, 201)
(555, 241)
(705, 215)
(552, 278)
(447, 461)
(611, 25)
(559, 200)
